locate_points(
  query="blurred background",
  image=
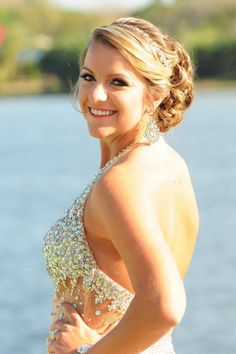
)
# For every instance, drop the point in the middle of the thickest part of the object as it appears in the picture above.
(40, 40)
(48, 157)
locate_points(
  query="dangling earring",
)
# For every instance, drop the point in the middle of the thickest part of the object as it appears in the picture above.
(152, 132)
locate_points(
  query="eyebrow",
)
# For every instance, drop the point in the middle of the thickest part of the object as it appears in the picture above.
(115, 74)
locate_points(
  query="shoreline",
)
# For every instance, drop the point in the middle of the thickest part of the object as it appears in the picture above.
(215, 84)
(52, 85)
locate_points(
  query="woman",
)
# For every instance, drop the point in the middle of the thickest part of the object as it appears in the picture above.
(119, 254)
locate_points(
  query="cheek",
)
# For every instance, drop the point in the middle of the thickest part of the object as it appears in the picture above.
(134, 104)
(82, 93)
(126, 100)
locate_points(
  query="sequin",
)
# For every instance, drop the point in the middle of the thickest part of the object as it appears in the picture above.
(68, 258)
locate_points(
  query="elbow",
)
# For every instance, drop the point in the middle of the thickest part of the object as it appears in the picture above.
(173, 312)
(164, 309)
(173, 318)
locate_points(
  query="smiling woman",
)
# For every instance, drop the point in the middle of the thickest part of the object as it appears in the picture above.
(114, 87)
(135, 83)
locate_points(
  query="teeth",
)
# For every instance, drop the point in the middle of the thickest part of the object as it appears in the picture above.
(101, 113)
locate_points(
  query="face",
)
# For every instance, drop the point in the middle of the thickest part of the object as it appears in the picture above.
(111, 93)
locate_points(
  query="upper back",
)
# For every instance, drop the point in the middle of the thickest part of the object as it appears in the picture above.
(173, 197)
(166, 175)
(176, 206)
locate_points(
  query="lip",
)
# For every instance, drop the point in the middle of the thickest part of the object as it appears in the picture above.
(102, 116)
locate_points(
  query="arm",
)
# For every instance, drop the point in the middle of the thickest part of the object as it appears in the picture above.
(126, 210)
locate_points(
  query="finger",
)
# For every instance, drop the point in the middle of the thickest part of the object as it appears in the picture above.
(52, 347)
(59, 324)
(49, 341)
(53, 335)
(71, 313)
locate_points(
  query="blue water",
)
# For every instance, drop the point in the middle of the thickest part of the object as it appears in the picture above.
(47, 157)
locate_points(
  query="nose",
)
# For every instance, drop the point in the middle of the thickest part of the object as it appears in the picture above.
(98, 93)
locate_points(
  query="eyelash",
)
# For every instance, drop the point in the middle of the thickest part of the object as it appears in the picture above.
(121, 81)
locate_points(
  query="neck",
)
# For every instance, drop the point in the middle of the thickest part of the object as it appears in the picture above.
(108, 152)
(111, 146)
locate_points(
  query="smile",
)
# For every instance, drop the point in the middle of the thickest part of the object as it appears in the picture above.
(101, 113)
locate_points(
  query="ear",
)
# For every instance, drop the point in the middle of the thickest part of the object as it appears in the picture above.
(157, 101)
(153, 106)
(152, 101)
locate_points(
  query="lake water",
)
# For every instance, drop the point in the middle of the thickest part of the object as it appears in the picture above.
(47, 157)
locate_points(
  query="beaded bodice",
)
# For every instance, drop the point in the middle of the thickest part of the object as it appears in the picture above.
(77, 277)
(69, 258)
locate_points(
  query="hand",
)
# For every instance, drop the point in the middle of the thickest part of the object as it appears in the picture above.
(70, 332)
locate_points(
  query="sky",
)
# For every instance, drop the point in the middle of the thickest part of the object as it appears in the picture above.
(100, 4)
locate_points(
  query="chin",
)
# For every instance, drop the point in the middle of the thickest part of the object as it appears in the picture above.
(101, 133)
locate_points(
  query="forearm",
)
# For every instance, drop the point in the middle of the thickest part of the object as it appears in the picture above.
(142, 325)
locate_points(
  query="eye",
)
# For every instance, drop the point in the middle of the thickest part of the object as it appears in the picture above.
(84, 76)
(121, 82)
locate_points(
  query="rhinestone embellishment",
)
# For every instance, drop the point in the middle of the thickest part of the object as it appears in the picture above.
(68, 256)
(152, 131)
(152, 43)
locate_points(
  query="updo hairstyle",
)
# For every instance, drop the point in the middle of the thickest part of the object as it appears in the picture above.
(175, 82)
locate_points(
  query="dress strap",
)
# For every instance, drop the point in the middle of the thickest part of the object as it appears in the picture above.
(111, 162)
(105, 168)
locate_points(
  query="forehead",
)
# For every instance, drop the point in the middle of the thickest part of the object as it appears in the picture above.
(105, 59)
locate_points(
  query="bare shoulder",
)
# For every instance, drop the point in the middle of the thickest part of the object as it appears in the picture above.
(151, 188)
(124, 183)
(129, 179)
(149, 173)
(125, 208)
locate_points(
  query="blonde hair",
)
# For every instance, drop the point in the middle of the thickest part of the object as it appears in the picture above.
(175, 82)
